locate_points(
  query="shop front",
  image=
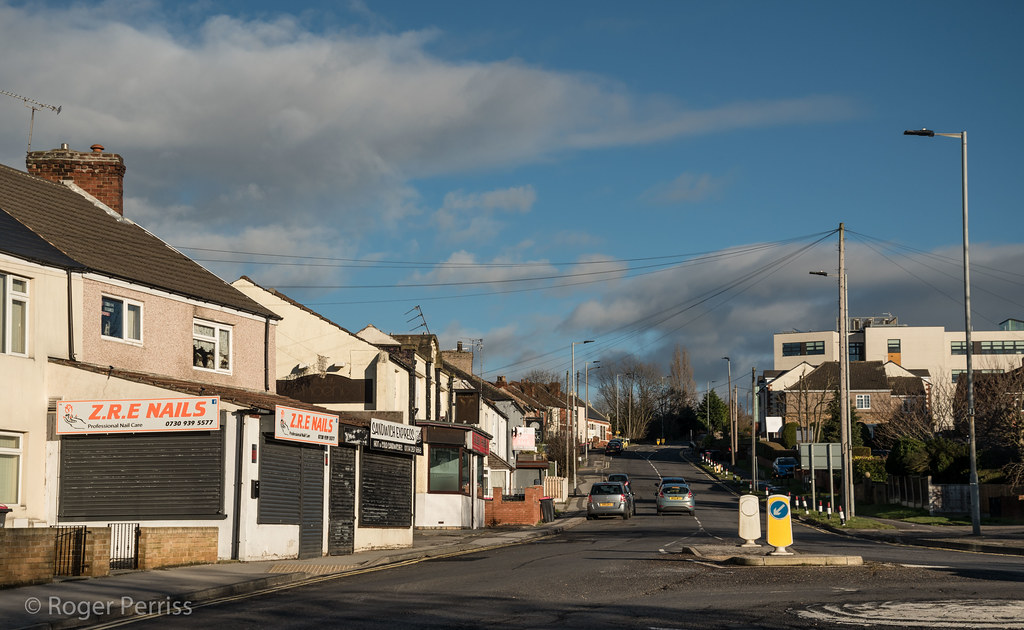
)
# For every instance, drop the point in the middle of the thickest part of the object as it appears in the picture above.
(450, 484)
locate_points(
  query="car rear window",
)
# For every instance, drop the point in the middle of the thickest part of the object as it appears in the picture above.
(606, 488)
(675, 489)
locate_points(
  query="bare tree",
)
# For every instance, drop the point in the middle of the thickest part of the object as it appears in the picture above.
(538, 375)
(999, 419)
(682, 388)
(633, 397)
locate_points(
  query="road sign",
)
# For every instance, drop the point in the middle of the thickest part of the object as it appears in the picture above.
(780, 523)
(821, 456)
(750, 520)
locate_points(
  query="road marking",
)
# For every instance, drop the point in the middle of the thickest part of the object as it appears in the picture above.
(948, 613)
(925, 566)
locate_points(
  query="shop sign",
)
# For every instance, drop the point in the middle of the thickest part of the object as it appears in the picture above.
(480, 444)
(301, 425)
(359, 436)
(77, 417)
(524, 439)
(395, 437)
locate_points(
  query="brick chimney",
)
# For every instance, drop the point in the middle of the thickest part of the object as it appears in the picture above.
(97, 173)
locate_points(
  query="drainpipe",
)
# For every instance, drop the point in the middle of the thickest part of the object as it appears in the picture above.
(71, 322)
(266, 354)
(236, 526)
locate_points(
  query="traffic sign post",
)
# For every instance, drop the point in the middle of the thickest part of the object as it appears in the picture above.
(780, 524)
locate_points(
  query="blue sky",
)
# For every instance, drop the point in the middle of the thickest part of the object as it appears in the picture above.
(341, 146)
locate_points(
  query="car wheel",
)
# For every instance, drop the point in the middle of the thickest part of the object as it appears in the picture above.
(659, 512)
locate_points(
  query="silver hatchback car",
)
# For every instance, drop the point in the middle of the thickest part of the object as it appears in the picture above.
(675, 497)
(610, 498)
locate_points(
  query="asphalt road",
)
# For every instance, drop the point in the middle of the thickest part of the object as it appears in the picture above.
(614, 573)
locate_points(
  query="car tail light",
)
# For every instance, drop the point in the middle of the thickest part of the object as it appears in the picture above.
(661, 494)
(689, 495)
(622, 498)
(590, 499)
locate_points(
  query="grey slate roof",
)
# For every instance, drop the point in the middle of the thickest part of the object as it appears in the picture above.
(64, 229)
(864, 376)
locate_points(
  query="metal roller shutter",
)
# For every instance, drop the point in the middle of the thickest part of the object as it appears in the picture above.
(385, 490)
(341, 531)
(142, 476)
(280, 483)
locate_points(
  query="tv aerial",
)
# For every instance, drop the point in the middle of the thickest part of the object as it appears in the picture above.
(34, 106)
(419, 316)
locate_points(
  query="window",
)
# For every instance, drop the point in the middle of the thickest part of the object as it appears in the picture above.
(444, 469)
(863, 401)
(796, 349)
(10, 468)
(485, 482)
(958, 373)
(13, 315)
(894, 346)
(1002, 347)
(856, 350)
(480, 477)
(121, 319)
(958, 348)
(211, 346)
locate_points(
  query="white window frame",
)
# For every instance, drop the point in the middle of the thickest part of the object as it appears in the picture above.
(863, 401)
(126, 306)
(9, 298)
(19, 453)
(216, 341)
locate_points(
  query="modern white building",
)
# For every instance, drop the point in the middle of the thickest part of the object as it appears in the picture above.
(943, 353)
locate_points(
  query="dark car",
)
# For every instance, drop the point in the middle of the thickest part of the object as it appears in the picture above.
(784, 466)
(614, 447)
(609, 498)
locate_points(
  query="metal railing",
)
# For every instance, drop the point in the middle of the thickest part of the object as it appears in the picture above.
(124, 545)
(69, 552)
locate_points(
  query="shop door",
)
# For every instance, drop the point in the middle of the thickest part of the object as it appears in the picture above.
(342, 512)
(292, 491)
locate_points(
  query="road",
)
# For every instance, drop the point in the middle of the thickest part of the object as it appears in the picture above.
(612, 573)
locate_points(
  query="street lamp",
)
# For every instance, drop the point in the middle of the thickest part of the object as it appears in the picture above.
(586, 414)
(572, 444)
(733, 442)
(707, 407)
(975, 499)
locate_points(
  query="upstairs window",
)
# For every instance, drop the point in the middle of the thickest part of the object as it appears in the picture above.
(863, 401)
(796, 349)
(893, 346)
(211, 346)
(121, 319)
(13, 315)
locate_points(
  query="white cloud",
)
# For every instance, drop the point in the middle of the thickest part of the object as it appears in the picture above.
(271, 123)
(686, 188)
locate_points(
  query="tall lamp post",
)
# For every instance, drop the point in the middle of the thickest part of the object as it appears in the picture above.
(586, 414)
(975, 498)
(707, 407)
(572, 432)
(733, 442)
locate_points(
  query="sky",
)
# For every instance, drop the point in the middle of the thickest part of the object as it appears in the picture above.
(520, 176)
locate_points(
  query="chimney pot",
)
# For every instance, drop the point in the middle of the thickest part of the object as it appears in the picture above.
(97, 148)
(63, 146)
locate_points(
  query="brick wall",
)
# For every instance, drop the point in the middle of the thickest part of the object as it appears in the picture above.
(176, 546)
(27, 554)
(500, 512)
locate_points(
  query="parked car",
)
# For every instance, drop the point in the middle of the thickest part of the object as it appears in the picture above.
(610, 498)
(675, 497)
(784, 466)
(614, 447)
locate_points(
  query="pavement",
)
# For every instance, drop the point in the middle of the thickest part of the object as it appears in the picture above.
(80, 602)
(83, 602)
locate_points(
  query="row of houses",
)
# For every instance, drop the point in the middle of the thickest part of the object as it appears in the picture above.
(143, 388)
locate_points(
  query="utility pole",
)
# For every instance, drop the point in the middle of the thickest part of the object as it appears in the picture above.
(732, 428)
(844, 382)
